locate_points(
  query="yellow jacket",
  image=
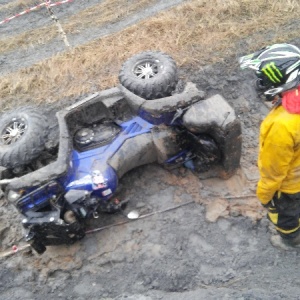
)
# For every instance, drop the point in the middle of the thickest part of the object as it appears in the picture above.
(279, 154)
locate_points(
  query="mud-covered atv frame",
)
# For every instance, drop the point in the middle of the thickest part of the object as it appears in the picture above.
(107, 134)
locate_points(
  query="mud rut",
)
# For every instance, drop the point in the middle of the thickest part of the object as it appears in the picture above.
(215, 248)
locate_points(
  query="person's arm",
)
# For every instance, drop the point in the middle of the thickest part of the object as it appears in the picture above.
(275, 157)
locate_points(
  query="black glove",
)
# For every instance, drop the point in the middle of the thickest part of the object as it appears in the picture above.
(269, 204)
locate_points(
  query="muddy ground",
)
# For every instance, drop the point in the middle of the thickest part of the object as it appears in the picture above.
(215, 247)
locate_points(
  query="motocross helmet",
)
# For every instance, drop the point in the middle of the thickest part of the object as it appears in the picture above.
(277, 68)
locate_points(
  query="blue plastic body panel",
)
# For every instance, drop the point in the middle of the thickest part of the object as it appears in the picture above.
(84, 164)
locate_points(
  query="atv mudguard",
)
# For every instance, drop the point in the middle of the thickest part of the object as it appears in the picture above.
(217, 118)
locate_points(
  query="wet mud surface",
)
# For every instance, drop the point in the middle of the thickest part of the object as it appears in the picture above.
(204, 239)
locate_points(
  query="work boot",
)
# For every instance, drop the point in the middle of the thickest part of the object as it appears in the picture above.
(285, 244)
(295, 242)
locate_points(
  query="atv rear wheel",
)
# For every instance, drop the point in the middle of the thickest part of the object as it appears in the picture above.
(22, 136)
(150, 75)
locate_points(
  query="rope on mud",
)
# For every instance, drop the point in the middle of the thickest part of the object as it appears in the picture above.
(231, 197)
(16, 249)
(140, 217)
(35, 8)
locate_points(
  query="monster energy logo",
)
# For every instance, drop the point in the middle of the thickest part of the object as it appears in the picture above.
(272, 72)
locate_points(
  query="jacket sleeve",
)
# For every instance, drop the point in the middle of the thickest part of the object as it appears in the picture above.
(275, 156)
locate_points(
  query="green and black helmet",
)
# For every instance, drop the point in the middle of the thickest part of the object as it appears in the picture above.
(277, 68)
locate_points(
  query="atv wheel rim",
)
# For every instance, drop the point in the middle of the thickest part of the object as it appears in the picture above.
(146, 70)
(14, 131)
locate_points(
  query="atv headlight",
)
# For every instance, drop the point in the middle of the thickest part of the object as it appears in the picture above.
(13, 196)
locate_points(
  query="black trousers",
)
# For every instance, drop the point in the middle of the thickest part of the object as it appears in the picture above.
(284, 213)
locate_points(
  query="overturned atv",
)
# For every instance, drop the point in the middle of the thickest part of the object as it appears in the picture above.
(104, 136)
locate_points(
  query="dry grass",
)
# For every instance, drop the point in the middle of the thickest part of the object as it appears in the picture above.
(97, 15)
(195, 34)
(104, 13)
(16, 5)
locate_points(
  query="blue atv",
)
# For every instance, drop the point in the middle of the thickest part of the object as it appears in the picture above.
(145, 119)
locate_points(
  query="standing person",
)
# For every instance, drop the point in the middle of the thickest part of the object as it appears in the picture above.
(278, 70)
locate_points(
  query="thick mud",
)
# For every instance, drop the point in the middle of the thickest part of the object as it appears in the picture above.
(203, 239)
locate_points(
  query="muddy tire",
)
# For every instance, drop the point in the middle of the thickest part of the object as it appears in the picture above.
(22, 136)
(150, 75)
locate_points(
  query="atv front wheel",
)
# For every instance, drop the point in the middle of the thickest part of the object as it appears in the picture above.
(150, 75)
(22, 136)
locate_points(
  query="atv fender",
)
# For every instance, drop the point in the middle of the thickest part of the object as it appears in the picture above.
(60, 167)
(215, 117)
(53, 170)
(189, 96)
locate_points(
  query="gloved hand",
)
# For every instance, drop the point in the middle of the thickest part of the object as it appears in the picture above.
(269, 204)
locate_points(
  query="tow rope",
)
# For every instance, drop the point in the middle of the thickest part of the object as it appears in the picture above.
(140, 217)
(15, 249)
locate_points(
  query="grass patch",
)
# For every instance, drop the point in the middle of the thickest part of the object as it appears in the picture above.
(17, 5)
(97, 15)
